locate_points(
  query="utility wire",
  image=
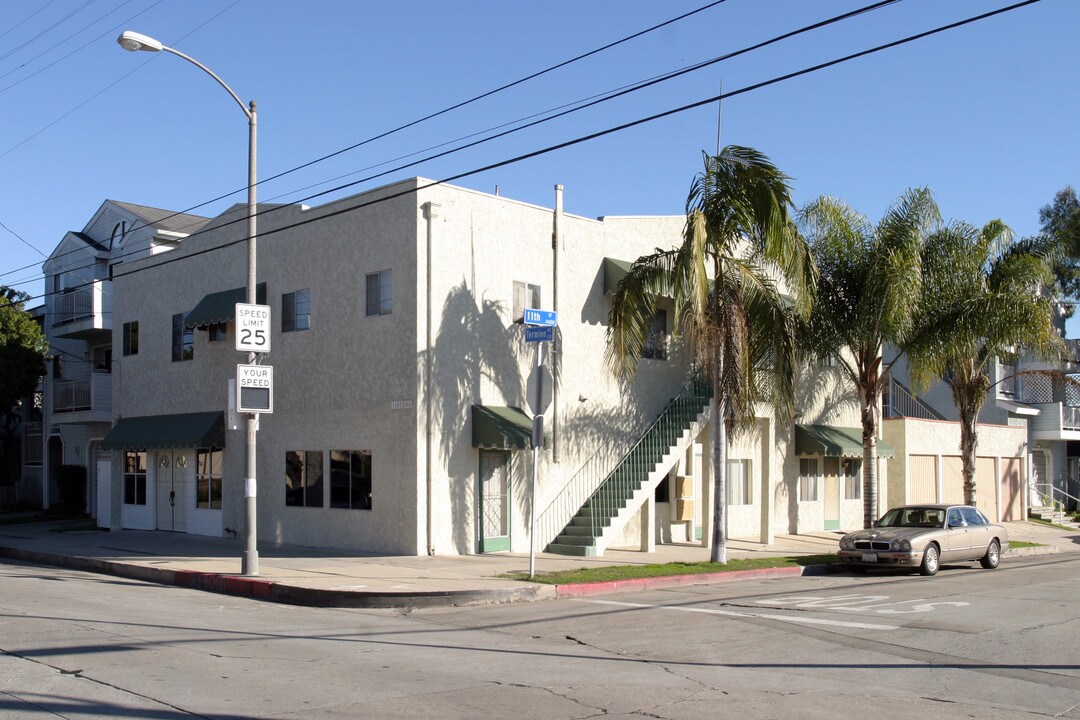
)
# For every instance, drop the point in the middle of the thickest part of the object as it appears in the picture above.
(401, 127)
(595, 135)
(580, 105)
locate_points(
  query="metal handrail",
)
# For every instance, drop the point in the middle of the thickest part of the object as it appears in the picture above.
(643, 457)
(598, 468)
(904, 403)
(1058, 505)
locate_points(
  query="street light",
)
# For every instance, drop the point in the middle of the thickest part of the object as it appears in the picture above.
(133, 42)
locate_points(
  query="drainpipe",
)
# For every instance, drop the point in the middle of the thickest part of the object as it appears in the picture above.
(556, 242)
(431, 211)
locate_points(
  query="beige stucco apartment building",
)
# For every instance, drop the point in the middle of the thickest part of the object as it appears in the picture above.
(401, 422)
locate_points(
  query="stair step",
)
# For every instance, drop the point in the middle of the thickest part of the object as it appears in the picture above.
(565, 539)
(576, 550)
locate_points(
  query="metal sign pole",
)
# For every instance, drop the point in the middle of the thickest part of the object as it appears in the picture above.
(538, 438)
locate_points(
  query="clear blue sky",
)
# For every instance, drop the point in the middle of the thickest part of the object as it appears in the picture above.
(985, 115)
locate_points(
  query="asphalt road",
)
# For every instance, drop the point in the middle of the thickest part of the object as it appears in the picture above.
(967, 643)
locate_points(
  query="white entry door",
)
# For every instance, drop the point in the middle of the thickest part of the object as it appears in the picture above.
(171, 492)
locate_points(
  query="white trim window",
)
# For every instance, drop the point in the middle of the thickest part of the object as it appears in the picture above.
(208, 480)
(135, 478)
(379, 288)
(740, 487)
(296, 311)
(851, 469)
(808, 479)
(525, 296)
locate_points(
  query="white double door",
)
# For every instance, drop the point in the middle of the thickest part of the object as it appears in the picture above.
(170, 484)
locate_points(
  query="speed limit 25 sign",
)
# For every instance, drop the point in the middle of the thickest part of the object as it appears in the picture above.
(252, 328)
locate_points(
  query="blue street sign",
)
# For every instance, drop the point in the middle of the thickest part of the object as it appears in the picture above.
(540, 317)
(544, 333)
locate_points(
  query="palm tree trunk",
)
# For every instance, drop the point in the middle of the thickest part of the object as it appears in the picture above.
(718, 552)
(967, 452)
(870, 459)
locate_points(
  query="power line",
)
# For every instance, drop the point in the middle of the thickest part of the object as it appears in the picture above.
(388, 132)
(580, 105)
(46, 31)
(601, 133)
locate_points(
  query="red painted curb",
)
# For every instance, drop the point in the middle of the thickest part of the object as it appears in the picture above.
(224, 584)
(571, 590)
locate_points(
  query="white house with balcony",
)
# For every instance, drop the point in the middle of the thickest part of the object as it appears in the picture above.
(77, 408)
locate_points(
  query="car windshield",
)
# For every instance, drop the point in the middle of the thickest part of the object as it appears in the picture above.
(913, 517)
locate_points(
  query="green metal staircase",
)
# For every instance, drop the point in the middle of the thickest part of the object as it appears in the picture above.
(620, 494)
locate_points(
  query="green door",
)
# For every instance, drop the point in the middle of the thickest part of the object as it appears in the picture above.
(494, 501)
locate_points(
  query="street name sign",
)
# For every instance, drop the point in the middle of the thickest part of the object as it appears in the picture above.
(252, 328)
(539, 333)
(254, 389)
(540, 317)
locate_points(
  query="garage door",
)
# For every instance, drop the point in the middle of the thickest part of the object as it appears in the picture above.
(1011, 489)
(953, 479)
(986, 487)
(922, 473)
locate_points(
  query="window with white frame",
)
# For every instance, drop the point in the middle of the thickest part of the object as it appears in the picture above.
(852, 472)
(218, 332)
(131, 338)
(656, 341)
(525, 296)
(350, 479)
(808, 479)
(379, 290)
(183, 339)
(304, 478)
(208, 480)
(296, 311)
(740, 489)
(135, 478)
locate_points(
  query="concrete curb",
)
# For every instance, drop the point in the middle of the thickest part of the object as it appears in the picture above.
(268, 590)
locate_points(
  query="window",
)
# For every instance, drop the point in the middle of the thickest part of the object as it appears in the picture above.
(303, 478)
(208, 480)
(350, 479)
(808, 479)
(218, 332)
(379, 290)
(656, 342)
(57, 368)
(131, 338)
(525, 296)
(739, 483)
(852, 471)
(183, 339)
(972, 516)
(135, 478)
(296, 310)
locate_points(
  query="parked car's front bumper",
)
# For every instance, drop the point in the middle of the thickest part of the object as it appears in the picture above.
(881, 558)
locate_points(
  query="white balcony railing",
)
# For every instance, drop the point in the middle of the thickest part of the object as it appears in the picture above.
(93, 393)
(92, 301)
(1070, 417)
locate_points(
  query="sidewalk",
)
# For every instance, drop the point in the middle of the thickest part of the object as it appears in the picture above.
(317, 577)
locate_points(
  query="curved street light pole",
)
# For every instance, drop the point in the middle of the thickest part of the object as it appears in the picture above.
(134, 42)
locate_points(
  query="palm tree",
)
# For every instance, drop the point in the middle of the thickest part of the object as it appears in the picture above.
(981, 302)
(739, 242)
(866, 297)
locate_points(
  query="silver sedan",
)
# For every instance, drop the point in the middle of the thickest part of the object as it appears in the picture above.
(924, 537)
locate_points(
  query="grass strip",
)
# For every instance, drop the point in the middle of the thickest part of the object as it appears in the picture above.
(630, 572)
(1023, 544)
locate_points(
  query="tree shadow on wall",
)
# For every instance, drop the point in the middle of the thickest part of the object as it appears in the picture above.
(472, 347)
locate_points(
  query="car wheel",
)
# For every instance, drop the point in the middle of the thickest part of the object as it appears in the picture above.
(992, 558)
(931, 560)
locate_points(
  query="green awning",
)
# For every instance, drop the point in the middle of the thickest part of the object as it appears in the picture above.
(831, 441)
(167, 432)
(496, 427)
(614, 272)
(220, 307)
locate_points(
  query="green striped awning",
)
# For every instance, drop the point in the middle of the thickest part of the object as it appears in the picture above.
(219, 307)
(831, 441)
(167, 432)
(496, 427)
